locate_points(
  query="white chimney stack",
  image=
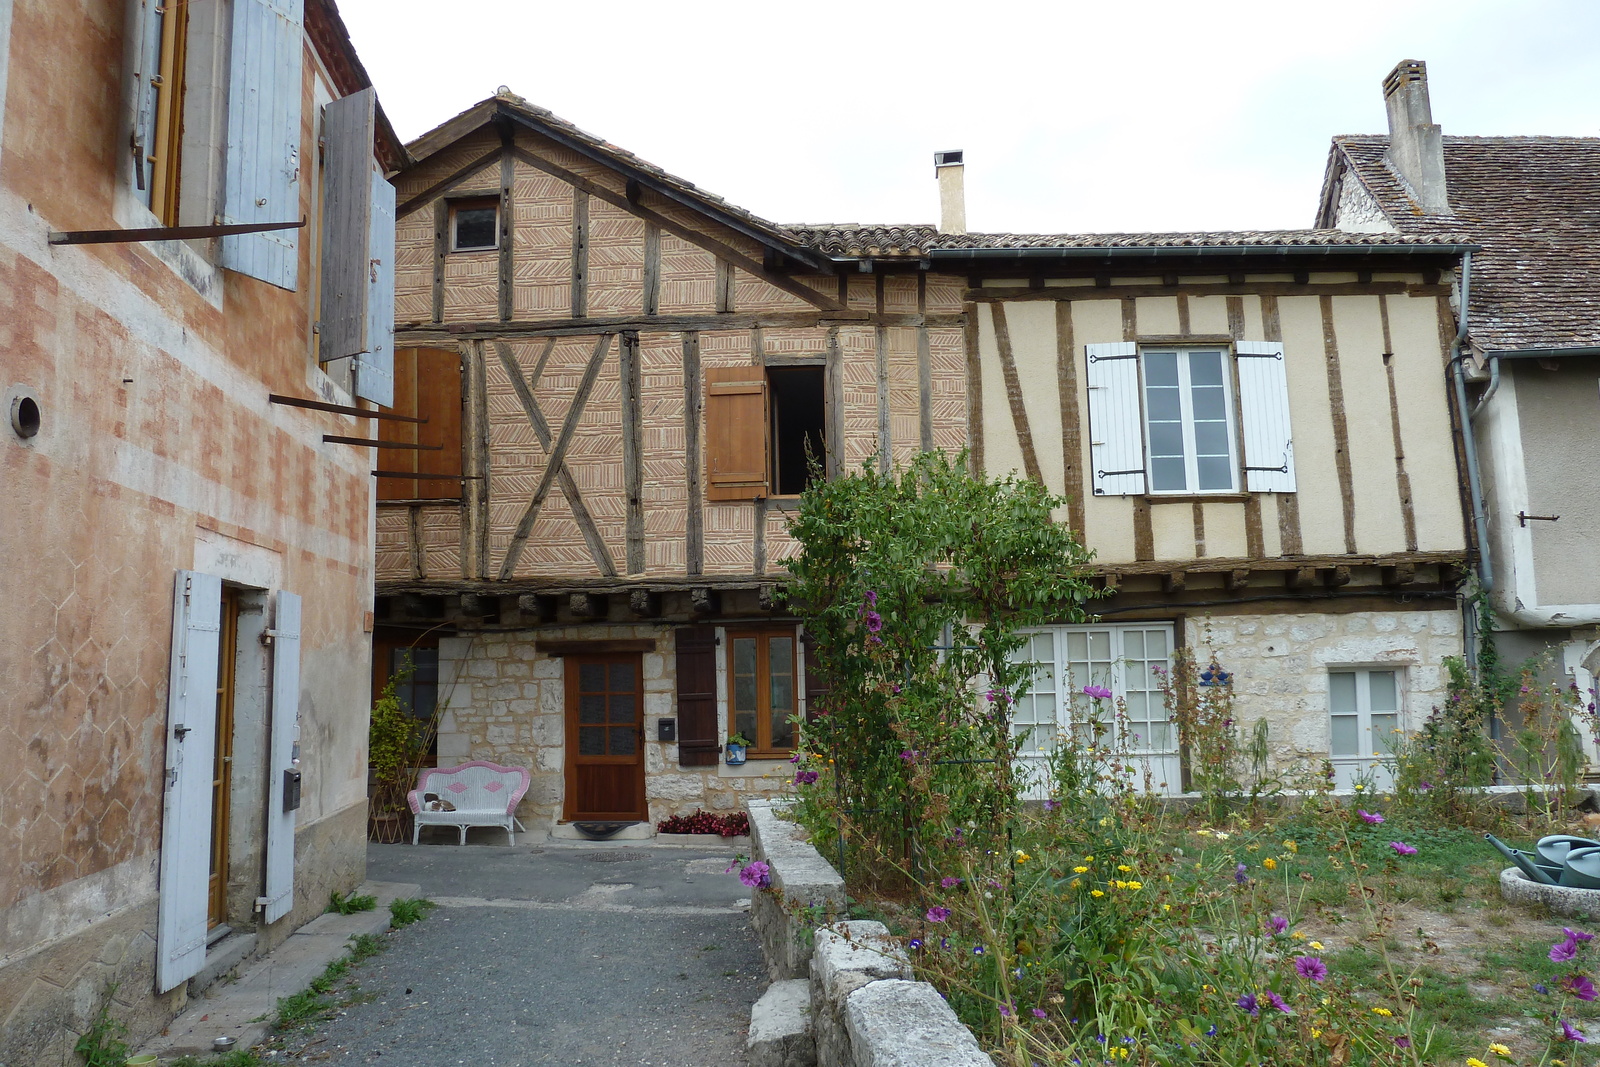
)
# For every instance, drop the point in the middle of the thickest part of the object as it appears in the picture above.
(1416, 145)
(952, 191)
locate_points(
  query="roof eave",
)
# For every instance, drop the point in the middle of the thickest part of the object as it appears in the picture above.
(1197, 251)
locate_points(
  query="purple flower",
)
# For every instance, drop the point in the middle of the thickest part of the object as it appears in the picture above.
(1576, 935)
(1562, 951)
(1425, 786)
(1279, 1003)
(1040, 1013)
(1403, 1042)
(1248, 1003)
(871, 598)
(977, 950)
(914, 944)
(1098, 692)
(756, 875)
(795, 758)
(937, 914)
(1367, 816)
(805, 777)
(1570, 1032)
(1279, 924)
(1239, 874)
(1541, 988)
(873, 620)
(908, 755)
(1005, 1009)
(1051, 805)
(1579, 986)
(1310, 967)
(1402, 848)
(949, 881)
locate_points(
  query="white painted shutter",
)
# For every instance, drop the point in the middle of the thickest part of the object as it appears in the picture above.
(144, 122)
(1116, 428)
(375, 368)
(279, 895)
(347, 133)
(191, 752)
(262, 182)
(1264, 413)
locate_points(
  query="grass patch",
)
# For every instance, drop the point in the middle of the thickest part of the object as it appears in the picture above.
(244, 1057)
(407, 910)
(350, 905)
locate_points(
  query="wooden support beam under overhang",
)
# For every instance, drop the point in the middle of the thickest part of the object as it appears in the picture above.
(587, 605)
(644, 604)
(704, 600)
(534, 607)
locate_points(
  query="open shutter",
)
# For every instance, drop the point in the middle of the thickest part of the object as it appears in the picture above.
(698, 743)
(816, 683)
(262, 182)
(279, 895)
(347, 132)
(736, 433)
(186, 805)
(1264, 414)
(144, 121)
(375, 367)
(1116, 428)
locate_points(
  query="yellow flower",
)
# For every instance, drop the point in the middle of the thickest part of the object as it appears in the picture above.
(1270, 864)
(1317, 945)
(1298, 936)
(1203, 832)
(1135, 885)
(1088, 859)
(1023, 857)
(1315, 1033)
(1080, 870)
(1106, 821)
(1473, 1061)
(1075, 883)
(1166, 907)
(1119, 885)
(1251, 848)
(1359, 787)
(1500, 1050)
(1385, 1012)
(1291, 846)
(1121, 1052)
(1097, 893)
(1124, 868)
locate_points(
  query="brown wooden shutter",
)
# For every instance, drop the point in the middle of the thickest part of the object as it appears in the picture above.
(698, 740)
(736, 433)
(817, 684)
(427, 382)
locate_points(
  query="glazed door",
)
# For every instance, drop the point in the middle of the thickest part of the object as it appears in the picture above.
(605, 738)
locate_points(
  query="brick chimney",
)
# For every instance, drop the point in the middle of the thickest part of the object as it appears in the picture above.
(951, 172)
(1416, 146)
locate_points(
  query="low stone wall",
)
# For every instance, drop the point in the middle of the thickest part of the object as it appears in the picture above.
(863, 1010)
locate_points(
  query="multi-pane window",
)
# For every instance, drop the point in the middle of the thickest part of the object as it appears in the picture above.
(475, 225)
(1129, 660)
(158, 127)
(608, 708)
(761, 688)
(1189, 421)
(1363, 717)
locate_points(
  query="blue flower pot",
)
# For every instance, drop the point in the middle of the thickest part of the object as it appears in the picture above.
(735, 754)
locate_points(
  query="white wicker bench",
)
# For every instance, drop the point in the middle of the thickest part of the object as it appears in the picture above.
(483, 794)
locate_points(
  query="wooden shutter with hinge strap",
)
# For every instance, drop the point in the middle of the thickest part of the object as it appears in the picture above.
(736, 433)
(698, 743)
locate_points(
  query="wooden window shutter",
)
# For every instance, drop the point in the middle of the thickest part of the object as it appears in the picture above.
(1116, 425)
(262, 181)
(698, 740)
(347, 133)
(427, 382)
(144, 123)
(736, 433)
(374, 367)
(1264, 416)
(278, 899)
(816, 682)
(186, 802)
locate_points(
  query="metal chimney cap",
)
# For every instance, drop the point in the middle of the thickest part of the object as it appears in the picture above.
(947, 159)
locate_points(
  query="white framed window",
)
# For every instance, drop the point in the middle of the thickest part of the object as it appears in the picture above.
(1189, 420)
(1128, 659)
(1189, 423)
(1363, 716)
(475, 224)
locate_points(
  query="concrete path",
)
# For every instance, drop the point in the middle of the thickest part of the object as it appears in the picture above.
(595, 953)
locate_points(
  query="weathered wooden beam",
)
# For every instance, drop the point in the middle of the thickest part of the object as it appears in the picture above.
(508, 173)
(1236, 579)
(1174, 581)
(1337, 576)
(1239, 288)
(704, 600)
(439, 188)
(441, 252)
(1110, 580)
(644, 603)
(536, 607)
(479, 605)
(422, 333)
(652, 268)
(767, 597)
(587, 605)
(1302, 578)
(580, 254)
(632, 450)
(694, 522)
(417, 606)
(1019, 410)
(1400, 574)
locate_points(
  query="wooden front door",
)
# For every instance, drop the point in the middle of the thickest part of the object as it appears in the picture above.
(605, 738)
(222, 761)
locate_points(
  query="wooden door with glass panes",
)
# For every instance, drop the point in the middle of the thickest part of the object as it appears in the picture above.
(1363, 721)
(761, 689)
(605, 738)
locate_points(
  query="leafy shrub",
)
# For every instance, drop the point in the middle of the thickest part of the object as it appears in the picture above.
(734, 824)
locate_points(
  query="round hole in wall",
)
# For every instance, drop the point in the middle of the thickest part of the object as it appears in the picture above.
(25, 416)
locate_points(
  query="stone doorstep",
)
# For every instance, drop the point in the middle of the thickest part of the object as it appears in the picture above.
(897, 1023)
(244, 1009)
(780, 1027)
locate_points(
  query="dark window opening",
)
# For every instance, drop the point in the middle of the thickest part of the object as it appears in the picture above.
(475, 225)
(798, 417)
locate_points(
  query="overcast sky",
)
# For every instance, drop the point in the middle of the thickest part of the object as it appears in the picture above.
(1075, 116)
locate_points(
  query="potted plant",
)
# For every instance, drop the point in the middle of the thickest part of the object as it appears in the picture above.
(737, 744)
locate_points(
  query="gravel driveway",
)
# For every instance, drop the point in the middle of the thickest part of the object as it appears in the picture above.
(606, 954)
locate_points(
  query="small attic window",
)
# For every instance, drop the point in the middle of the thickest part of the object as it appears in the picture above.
(475, 224)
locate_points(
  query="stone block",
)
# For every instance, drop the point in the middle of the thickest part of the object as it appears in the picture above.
(780, 1027)
(675, 787)
(655, 664)
(453, 749)
(846, 957)
(896, 1023)
(549, 667)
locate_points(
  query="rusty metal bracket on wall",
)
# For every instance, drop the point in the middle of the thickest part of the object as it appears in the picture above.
(164, 233)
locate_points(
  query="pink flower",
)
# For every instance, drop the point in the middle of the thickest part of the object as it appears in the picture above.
(949, 881)
(805, 777)
(756, 875)
(1562, 951)
(1278, 924)
(1570, 1032)
(1402, 848)
(1579, 986)
(936, 914)
(1369, 817)
(1403, 1042)
(1279, 1003)
(1310, 967)
(1098, 692)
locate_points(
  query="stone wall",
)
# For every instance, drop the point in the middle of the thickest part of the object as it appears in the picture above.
(503, 700)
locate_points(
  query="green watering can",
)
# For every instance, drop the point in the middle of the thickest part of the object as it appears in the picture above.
(1544, 874)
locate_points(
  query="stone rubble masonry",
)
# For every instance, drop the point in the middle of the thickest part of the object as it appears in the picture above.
(1280, 664)
(894, 1023)
(805, 890)
(780, 1027)
(504, 701)
(847, 957)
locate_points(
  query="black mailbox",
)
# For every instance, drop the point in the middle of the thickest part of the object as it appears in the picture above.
(666, 729)
(291, 790)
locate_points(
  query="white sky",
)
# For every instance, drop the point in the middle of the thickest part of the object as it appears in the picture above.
(1075, 116)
